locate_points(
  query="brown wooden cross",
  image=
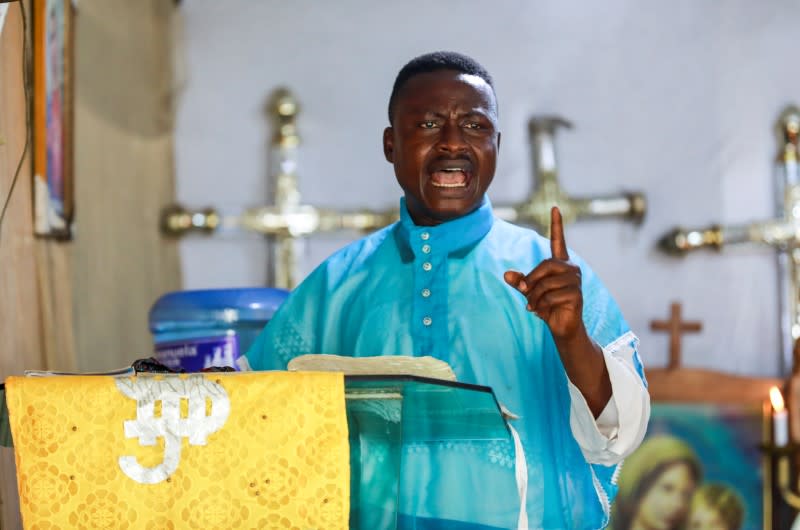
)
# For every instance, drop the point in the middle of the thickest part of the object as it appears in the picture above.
(676, 328)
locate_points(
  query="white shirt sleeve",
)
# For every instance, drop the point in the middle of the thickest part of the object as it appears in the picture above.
(619, 430)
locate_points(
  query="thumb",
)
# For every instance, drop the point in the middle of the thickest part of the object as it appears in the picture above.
(513, 278)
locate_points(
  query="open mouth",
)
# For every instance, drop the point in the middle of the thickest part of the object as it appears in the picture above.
(451, 174)
(449, 178)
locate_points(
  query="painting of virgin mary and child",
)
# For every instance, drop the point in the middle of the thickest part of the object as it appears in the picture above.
(699, 468)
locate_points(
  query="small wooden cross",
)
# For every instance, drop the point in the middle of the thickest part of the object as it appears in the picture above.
(676, 328)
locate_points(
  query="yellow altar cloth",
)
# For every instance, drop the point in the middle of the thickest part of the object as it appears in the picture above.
(210, 451)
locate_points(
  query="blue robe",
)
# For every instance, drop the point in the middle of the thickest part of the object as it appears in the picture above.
(439, 290)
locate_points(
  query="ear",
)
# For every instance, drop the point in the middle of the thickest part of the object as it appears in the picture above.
(388, 144)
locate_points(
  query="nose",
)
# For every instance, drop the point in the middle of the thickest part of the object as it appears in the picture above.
(676, 504)
(451, 139)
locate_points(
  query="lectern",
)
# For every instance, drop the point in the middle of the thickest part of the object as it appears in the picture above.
(424, 454)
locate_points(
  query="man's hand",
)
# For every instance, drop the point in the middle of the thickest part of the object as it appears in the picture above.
(553, 292)
(553, 288)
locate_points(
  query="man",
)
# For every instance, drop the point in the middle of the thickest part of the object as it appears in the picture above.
(502, 305)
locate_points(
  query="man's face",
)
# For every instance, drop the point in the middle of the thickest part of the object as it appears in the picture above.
(443, 144)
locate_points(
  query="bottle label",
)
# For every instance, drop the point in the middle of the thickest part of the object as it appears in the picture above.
(193, 355)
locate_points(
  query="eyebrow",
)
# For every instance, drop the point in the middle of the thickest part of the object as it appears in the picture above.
(471, 113)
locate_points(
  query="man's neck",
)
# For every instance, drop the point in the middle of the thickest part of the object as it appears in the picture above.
(423, 218)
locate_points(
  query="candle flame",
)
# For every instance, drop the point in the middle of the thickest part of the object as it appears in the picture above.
(777, 399)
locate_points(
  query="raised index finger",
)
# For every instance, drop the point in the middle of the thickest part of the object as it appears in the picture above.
(558, 246)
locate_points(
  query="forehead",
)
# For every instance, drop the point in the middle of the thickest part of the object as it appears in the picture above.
(702, 513)
(446, 89)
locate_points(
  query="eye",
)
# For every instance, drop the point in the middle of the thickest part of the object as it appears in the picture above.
(473, 125)
(429, 124)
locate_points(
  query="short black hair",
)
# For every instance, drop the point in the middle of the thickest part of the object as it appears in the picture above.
(432, 62)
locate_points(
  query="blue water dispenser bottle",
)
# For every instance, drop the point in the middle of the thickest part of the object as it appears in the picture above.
(193, 330)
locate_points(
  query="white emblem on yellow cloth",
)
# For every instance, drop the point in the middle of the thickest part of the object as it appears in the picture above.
(196, 426)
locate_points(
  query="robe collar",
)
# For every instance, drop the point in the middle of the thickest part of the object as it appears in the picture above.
(447, 238)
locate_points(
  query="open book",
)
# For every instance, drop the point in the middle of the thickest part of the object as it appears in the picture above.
(381, 365)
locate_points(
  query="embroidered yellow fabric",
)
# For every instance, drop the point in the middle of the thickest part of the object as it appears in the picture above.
(245, 450)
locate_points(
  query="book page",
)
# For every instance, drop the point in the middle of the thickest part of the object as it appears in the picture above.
(379, 365)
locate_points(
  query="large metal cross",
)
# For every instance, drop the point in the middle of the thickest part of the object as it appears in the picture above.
(547, 191)
(781, 233)
(288, 220)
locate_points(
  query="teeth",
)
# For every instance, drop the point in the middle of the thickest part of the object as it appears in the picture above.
(451, 177)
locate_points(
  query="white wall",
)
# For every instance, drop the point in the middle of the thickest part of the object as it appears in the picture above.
(676, 99)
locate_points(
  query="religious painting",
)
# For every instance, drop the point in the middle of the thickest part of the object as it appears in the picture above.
(52, 117)
(702, 464)
(699, 467)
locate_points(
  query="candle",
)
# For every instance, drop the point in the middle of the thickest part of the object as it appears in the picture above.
(780, 418)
